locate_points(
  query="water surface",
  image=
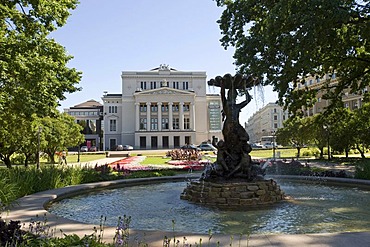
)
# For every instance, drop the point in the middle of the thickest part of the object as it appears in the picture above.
(316, 208)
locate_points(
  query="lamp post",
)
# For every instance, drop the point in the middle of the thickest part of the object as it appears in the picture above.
(326, 127)
(38, 148)
(273, 144)
(78, 154)
(274, 150)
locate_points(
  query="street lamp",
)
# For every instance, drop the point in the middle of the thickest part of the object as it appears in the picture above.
(326, 128)
(273, 132)
(273, 144)
(38, 148)
(78, 154)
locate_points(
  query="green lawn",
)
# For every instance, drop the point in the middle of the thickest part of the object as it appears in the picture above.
(268, 153)
(74, 157)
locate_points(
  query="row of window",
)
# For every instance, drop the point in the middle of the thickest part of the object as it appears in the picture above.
(164, 107)
(113, 109)
(165, 124)
(311, 81)
(153, 85)
(154, 124)
(83, 113)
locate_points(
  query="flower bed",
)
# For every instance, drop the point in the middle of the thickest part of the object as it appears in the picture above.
(132, 163)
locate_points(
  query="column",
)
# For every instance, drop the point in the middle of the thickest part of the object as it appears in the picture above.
(137, 116)
(192, 116)
(159, 116)
(181, 117)
(148, 116)
(170, 115)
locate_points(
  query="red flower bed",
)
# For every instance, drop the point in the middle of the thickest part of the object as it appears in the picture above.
(132, 163)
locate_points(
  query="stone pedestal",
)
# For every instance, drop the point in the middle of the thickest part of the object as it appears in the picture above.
(233, 195)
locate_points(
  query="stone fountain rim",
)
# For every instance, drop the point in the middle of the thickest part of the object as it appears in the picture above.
(26, 208)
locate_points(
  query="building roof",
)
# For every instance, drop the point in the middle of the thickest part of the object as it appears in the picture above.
(88, 104)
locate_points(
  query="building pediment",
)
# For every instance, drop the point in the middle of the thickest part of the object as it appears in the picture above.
(166, 91)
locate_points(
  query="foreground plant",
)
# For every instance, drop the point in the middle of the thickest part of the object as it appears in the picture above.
(122, 236)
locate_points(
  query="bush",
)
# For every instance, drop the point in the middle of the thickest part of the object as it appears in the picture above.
(311, 152)
(362, 169)
(8, 192)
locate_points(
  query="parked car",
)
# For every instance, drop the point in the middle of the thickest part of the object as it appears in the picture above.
(84, 149)
(272, 145)
(128, 147)
(191, 146)
(207, 147)
(257, 145)
(119, 148)
(93, 149)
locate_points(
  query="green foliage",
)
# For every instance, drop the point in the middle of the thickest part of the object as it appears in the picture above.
(59, 133)
(34, 75)
(18, 159)
(8, 192)
(362, 170)
(282, 42)
(12, 234)
(21, 181)
(294, 133)
(311, 152)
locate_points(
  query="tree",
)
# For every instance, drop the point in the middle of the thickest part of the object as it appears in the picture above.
(294, 133)
(360, 125)
(284, 41)
(33, 68)
(59, 133)
(342, 134)
(11, 136)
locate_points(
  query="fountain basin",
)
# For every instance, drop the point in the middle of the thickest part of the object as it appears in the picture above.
(317, 208)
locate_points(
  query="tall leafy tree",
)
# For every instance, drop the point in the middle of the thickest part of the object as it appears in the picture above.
(33, 68)
(284, 41)
(360, 125)
(294, 133)
(34, 75)
(59, 133)
(342, 135)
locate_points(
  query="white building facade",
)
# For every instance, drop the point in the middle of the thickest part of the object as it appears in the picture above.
(265, 122)
(161, 108)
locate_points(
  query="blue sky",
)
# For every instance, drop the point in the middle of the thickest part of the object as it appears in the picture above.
(108, 37)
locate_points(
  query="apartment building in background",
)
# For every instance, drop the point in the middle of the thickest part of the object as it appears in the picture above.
(265, 122)
(350, 100)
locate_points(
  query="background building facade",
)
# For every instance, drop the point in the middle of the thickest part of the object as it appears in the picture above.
(161, 108)
(89, 115)
(351, 100)
(265, 122)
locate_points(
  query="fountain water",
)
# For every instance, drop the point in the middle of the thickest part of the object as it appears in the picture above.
(234, 180)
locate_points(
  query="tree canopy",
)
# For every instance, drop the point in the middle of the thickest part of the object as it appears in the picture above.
(284, 41)
(34, 72)
(33, 68)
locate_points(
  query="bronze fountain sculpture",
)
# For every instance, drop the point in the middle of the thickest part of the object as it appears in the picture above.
(233, 180)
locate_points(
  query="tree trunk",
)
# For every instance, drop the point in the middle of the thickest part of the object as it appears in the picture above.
(28, 156)
(322, 153)
(361, 151)
(7, 162)
(298, 152)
